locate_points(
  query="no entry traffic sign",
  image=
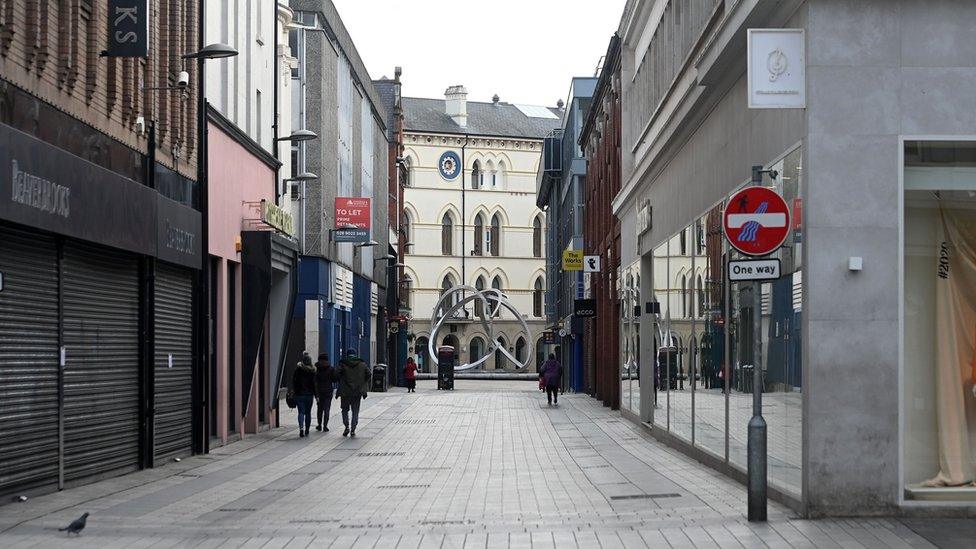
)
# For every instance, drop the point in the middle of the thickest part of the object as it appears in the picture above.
(757, 221)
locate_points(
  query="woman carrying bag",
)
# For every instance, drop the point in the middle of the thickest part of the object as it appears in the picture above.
(303, 391)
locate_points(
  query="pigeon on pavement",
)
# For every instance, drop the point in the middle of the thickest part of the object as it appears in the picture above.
(76, 525)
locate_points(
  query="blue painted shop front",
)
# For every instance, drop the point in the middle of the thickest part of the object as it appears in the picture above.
(339, 327)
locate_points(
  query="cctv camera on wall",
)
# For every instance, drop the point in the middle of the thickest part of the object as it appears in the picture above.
(183, 80)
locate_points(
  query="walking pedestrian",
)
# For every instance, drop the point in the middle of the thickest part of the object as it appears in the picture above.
(303, 387)
(353, 375)
(410, 372)
(552, 375)
(325, 377)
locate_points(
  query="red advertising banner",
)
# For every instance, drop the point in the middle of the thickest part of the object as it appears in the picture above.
(354, 211)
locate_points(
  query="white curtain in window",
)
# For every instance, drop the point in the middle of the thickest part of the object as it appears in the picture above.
(955, 354)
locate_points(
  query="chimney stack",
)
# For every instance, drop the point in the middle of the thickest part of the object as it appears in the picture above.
(456, 104)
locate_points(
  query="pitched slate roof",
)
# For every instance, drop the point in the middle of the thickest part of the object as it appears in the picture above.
(386, 88)
(496, 119)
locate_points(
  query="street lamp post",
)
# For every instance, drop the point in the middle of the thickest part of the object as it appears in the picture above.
(201, 381)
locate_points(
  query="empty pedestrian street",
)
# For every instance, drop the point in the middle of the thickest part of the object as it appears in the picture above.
(486, 465)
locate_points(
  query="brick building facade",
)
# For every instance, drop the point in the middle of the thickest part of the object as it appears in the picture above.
(100, 245)
(600, 140)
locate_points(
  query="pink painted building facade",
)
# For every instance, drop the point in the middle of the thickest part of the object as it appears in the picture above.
(252, 269)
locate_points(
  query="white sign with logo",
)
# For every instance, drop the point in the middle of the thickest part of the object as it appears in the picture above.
(777, 69)
(591, 263)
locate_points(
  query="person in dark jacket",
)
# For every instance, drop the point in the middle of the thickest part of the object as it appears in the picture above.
(552, 375)
(325, 377)
(353, 376)
(303, 387)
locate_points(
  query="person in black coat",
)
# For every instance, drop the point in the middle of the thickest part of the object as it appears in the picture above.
(303, 388)
(325, 378)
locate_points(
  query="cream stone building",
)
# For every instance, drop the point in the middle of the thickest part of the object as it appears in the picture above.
(471, 219)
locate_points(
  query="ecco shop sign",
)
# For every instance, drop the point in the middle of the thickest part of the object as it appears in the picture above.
(128, 28)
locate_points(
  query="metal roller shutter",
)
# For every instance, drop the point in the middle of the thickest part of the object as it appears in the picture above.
(101, 377)
(28, 362)
(174, 338)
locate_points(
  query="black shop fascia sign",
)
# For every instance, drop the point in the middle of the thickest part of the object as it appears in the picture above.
(47, 188)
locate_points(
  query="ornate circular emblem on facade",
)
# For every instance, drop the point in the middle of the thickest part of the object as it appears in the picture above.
(449, 165)
(492, 302)
(776, 64)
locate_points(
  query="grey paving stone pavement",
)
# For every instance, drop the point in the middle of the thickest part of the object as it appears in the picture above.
(486, 465)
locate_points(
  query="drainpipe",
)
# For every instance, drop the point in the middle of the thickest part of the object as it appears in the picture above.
(464, 215)
(274, 99)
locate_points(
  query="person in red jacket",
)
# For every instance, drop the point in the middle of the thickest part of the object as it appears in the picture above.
(410, 372)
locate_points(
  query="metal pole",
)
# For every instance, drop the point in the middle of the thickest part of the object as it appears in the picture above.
(727, 365)
(756, 445)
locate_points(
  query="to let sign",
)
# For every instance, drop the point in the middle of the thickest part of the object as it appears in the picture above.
(352, 211)
(128, 28)
(757, 221)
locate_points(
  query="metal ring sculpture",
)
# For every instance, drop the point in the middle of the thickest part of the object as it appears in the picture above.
(492, 302)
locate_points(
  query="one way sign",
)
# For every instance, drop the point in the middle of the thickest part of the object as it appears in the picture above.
(591, 264)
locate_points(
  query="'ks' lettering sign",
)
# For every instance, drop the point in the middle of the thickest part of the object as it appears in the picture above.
(128, 28)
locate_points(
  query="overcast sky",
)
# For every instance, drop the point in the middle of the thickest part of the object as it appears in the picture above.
(523, 50)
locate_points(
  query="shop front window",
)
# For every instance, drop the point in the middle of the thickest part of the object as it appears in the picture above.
(940, 320)
(704, 340)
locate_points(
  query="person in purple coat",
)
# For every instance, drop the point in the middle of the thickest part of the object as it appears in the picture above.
(552, 374)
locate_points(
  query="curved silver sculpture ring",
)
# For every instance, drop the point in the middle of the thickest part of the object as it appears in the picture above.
(492, 301)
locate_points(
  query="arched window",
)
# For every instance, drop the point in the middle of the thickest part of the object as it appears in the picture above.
(537, 237)
(479, 234)
(406, 289)
(500, 175)
(447, 235)
(701, 298)
(452, 340)
(479, 306)
(477, 349)
(420, 352)
(500, 359)
(477, 176)
(684, 242)
(520, 349)
(495, 235)
(490, 172)
(446, 284)
(540, 353)
(496, 284)
(405, 230)
(684, 296)
(537, 298)
(407, 175)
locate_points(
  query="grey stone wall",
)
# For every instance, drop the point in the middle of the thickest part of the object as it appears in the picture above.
(322, 153)
(877, 70)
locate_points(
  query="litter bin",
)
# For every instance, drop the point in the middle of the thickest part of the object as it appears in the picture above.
(445, 368)
(380, 382)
